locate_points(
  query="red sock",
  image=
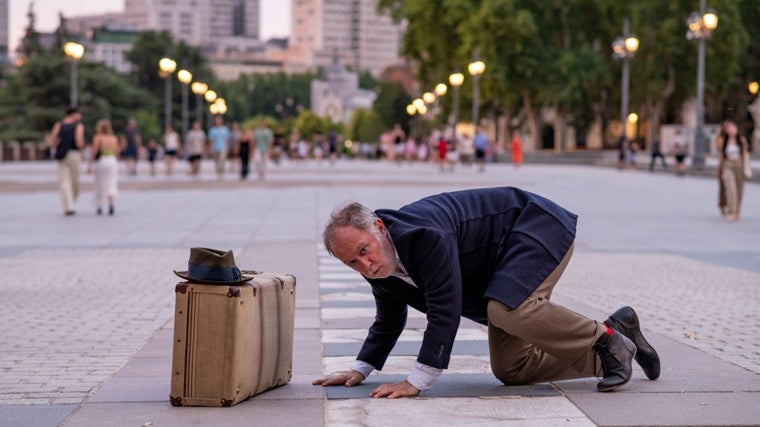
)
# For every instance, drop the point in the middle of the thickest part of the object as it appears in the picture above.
(610, 331)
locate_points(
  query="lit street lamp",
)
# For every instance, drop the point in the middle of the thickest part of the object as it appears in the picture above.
(701, 25)
(455, 80)
(184, 77)
(428, 97)
(166, 67)
(476, 69)
(623, 49)
(441, 89)
(199, 89)
(218, 107)
(210, 96)
(74, 51)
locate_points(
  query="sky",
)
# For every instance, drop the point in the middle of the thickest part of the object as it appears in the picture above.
(275, 15)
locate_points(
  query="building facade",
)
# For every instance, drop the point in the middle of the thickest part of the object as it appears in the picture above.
(197, 22)
(352, 29)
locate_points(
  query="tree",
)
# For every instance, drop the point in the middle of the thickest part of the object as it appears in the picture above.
(390, 105)
(30, 44)
(278, 95)
(365, 126)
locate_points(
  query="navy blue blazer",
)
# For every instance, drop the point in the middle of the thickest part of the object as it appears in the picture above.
(461, 249)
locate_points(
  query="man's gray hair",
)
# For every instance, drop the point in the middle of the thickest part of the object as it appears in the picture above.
(351, 214)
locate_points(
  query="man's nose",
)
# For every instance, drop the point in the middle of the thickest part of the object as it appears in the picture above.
(364, 264)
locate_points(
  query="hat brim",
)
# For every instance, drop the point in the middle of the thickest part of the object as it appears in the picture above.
(184, 275)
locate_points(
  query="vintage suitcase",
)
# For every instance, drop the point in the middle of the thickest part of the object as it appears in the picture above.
(232, 342)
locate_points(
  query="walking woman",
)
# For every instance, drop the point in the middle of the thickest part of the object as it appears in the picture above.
(734, 157)
(105, 146)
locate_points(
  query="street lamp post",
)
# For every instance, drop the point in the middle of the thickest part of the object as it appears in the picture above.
(623, 49)
(476, 69)
(166, 67)
(185, 77)
(701, 25)
(455, 80)
(199, 88)
(74, 51)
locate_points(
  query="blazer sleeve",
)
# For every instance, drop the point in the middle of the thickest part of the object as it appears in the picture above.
(390, 320)
(438, 272)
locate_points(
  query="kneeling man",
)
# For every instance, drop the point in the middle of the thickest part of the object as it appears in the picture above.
(491, 255)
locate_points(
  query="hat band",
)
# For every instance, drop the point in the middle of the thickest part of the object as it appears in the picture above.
(215, 274)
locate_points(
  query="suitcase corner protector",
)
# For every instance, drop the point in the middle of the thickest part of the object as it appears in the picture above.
(175, 401)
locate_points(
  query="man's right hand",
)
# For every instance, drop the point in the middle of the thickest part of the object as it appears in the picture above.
(347, 378)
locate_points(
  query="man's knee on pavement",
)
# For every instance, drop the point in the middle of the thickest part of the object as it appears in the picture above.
(516, 374)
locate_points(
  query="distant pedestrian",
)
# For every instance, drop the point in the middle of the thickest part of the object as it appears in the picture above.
(263, 138)
(195, 142)
(244, 151)
(481, 145)
(441, 147)
(332, 145)
(680, 151)
(152, 155)
(132, 143)
(232, 149)
(633, 152)
(733, 150)
(105, 146)
(67, 138)
(219, 136)
(657, 153)
(278, 145)
(516, 147)
(622, 147)
(172, 148)
(466, 151)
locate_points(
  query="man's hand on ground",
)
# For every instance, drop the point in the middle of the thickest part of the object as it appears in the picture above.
(392, 391)
(347, 378)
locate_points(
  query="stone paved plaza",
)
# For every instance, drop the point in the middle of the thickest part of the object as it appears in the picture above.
(87, 301)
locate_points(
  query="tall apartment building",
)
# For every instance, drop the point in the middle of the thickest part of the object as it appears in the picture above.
(351, 29)
(197, 22)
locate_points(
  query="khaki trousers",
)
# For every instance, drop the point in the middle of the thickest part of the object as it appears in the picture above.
(68, 179)
(540, 341)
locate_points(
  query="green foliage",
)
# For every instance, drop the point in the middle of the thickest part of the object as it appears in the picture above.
(390, 105)
(557, 54)
(308, 123)
(277, 95)
(365, 126)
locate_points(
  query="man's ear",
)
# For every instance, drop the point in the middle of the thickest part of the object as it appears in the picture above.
(379, 224)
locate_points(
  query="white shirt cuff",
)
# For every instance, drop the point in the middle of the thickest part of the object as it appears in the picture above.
(363, 368)
(423, 376)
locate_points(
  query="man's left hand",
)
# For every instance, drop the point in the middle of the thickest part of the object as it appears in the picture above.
(392, 391)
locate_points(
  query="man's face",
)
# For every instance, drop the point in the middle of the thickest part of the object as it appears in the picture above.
(369, 253)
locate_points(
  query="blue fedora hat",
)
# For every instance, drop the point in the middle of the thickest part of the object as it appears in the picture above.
(212, 267)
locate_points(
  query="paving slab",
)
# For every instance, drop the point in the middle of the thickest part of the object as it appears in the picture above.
(508, 411)
(34, 415)
(262, 412)
(447, 385)
(404, 348)
(670, 409)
